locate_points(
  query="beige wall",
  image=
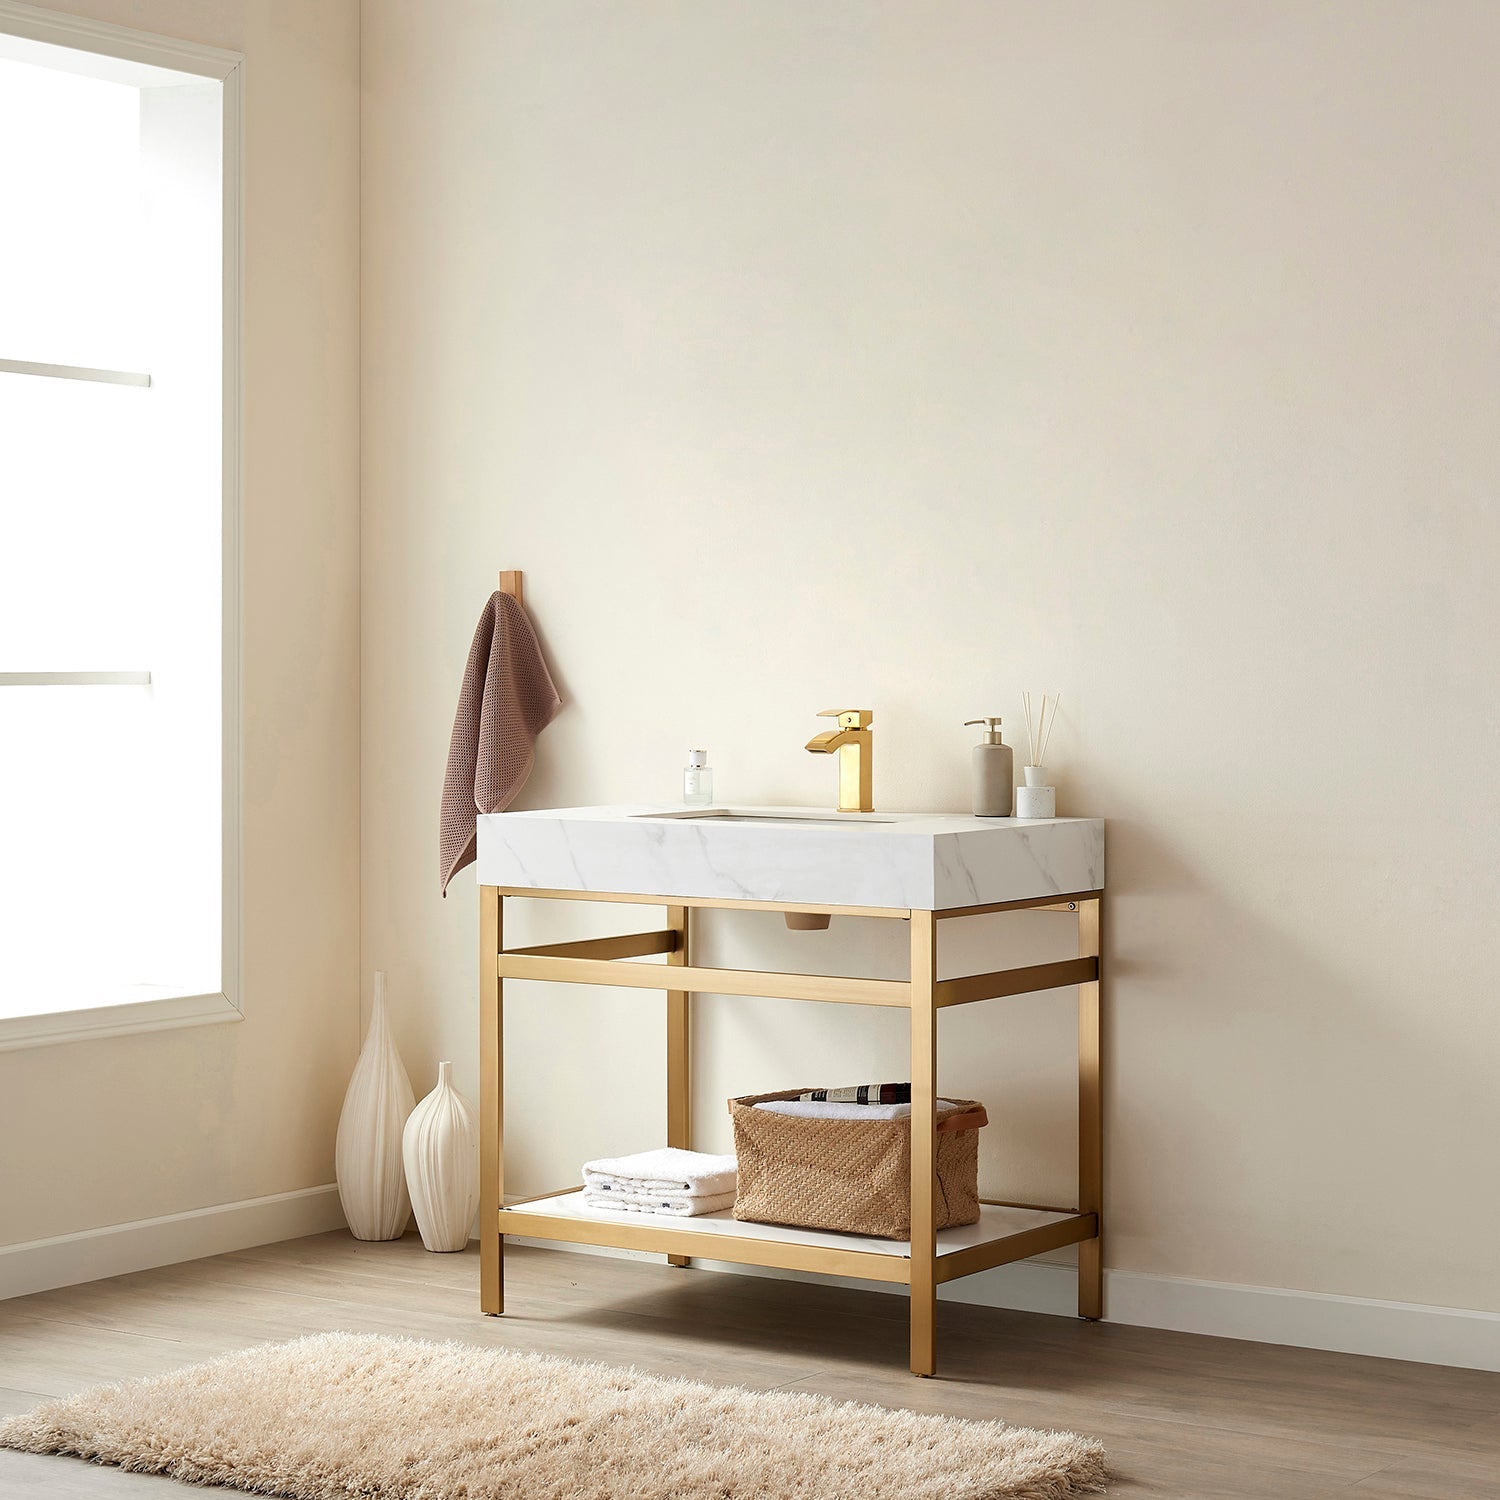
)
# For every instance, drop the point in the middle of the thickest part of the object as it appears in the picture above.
(913, 355)
(109, 1131)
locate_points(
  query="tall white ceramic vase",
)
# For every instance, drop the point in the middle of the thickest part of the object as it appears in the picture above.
(441, 1147)
(367, 1156)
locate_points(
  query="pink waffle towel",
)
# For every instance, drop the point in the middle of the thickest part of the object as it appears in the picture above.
(507, 699)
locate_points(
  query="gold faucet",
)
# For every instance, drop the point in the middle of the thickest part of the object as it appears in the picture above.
(856, 747)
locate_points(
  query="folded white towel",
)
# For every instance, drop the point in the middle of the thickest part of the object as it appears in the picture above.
(695, 1174)
(822, 1109)
(678, 1205)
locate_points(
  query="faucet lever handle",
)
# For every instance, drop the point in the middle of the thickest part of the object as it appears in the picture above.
(849, 718)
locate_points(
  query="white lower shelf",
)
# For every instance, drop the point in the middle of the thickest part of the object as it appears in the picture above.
(565, 1216)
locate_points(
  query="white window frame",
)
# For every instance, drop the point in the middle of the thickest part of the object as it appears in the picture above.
(85, 35)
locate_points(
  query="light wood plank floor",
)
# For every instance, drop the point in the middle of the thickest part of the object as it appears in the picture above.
(1180, 1415)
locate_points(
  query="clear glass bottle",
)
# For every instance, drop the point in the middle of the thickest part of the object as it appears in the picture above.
(697, 780)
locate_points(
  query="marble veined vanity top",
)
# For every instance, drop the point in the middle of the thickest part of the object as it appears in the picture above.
(926, 861)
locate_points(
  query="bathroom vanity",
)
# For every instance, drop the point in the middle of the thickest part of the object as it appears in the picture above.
(918, 869)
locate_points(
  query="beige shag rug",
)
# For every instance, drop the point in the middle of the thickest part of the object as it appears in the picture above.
(339, 1415)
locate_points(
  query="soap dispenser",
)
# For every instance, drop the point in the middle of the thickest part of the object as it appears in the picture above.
(994, 772)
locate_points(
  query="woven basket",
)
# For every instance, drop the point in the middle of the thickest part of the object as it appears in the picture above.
(850, 1175)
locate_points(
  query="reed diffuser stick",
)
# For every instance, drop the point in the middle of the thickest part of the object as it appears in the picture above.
(1051, 725)
(1039, 725)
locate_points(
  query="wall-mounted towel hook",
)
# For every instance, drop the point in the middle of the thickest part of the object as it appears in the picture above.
(510, 582)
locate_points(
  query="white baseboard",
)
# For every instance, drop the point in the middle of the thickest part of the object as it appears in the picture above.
(1310, 1320)
(1260, 1314)
(67, 1259)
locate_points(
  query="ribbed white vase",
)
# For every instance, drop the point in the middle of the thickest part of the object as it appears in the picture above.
(441, 1146)
(367, 1155)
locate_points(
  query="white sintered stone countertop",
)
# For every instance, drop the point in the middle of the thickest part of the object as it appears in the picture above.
(925, 861)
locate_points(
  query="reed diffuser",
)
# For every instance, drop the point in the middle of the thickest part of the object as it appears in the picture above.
(1038, 799)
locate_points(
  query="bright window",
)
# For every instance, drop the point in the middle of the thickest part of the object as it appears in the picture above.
(118, 494)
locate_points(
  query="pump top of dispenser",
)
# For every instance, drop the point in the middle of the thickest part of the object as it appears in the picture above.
(991, 730)
(697, 757)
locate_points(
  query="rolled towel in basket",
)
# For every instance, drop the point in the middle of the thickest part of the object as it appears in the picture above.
(819, 1109)
(861, 1093)
(670, 1171)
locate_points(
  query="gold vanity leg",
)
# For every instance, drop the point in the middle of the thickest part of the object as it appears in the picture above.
(1091, 1111)
(923, 1143)
(679, 1050)
(491, 1106)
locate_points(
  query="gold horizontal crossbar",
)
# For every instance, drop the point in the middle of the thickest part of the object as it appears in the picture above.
(1002, 982)
(783, 1254)
(1036, 1208)
(1021, 1246)
(537, 1197)
(627, 945)
(1069, 902)
(711, 981)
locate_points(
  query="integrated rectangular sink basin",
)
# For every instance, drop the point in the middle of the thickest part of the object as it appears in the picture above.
(792, 855)
(751, 815)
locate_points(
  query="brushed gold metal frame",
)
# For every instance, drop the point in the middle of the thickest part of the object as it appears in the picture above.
(608, 961)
